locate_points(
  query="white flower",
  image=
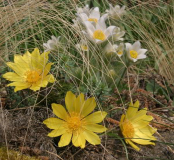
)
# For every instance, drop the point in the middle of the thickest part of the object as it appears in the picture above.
(93, 16)
(82, 45)
(110, 48)
(116, 12)
(98, 33)
(120, 49)
(118, 34)
(113, 48)
(76, 24)
(135, 52)
(85, 10)
(52, 44)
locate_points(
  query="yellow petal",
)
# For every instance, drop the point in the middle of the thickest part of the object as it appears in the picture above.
(35, 59)
(88, 107)
(142, 141)
(47, 69)
(140, 115)
(79, 103)
(121, 121)
(78, 140)
(19, 85)
(59, 111)
(133, 145)
(19, 70)
(132, 110)
(53, 123)
(144, 136)
(11, 76)
(141, 123)
(65, 139)
(57, 132)
(44, 58)
(70, 101)
(145, 132)
(27, 58)
(43, 82)
(95, 128)
(35, 86)
(95, 117)
(91, 137)
(50, 78)
(19, 60)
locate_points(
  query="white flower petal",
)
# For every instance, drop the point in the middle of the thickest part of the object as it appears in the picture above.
(141, 56)
(136, 46)
(90, 28)
(109, 31)
(83, 17)
(98, 41)
(101, 24)
(134, 60)
(105, 16)
(95, 13)
(51, 44)
(128, 47)
(54, 38)
(142, 51)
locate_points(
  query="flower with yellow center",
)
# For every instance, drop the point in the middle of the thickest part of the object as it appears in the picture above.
(110, 49)
(31, 71)
(82, 45)
(135, 126)
(118, 34)
(98, 33)
(92, 16)
(52, 44)
(120, 49)
(135, 52)
(116, 12)
(113, 48)
(85, 9)
(76, 123)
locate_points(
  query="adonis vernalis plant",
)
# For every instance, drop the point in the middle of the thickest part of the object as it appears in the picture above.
(77, 123)
(31, 71)
(135, 126)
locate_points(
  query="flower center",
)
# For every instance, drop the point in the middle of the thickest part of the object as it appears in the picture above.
(32, 76)
(84, 47)
(120, 52)
(133, 54)
(128, 129)
(112, 72)
(93, 20)
(98, 34)
(74, 122)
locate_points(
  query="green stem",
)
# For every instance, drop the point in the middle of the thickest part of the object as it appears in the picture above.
(127, 65)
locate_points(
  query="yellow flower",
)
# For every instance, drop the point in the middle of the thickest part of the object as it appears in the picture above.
(31, 71)
(135, 126)
(77, 123)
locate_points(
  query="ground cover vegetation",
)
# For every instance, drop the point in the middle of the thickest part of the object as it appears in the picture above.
(89, 79)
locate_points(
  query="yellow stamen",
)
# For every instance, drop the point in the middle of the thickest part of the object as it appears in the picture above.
(120, 52)
(33, 76)
(74, 122)
(128, 129)
(84, 47)
(93, 20)
(112, 73)
(98, 34)
(133, 54)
